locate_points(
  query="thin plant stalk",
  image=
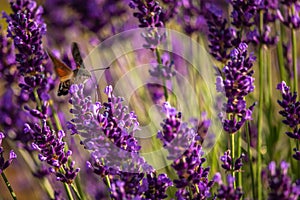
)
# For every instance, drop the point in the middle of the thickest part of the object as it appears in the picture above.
(232, 155)
(294, 53)
(260, 111)
(239, 152)
(280, 52)
(76, 192)
(80, 190)
(68, 191)
(295, 70)
(158, 57)
(250, 159)
(9, 187)
(269, 79)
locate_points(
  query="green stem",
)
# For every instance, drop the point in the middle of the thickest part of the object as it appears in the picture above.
(37, 99)
(8, 185)
(55, 116)
(250, 159)
(106, 177)
(295, 70)
(80, 190)
(232, 156)
(260, 112)
(158, 57)
(239, 152)
(269, 78)
(294, 49)
(280, 52)
(76, 192)
(68, 191)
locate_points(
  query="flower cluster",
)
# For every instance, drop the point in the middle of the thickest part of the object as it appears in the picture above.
(108, 131)
(292, 18)
(221, 36)
(149, 13)
(291, 113)
(150, 16)
(51, 147)
(263, 35)
(280, 184)
(228, 163)
(227, 192)
(139, 186)
(164, 70)
(244, 12)
(236, 84)
(184, 146)
(175, 135)
(7, 57)
(26, 28)
(13, 116)
(5, 163)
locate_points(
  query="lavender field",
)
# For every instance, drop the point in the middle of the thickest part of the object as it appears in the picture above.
(149, 100)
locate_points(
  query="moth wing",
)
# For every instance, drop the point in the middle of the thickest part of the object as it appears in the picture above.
(62, 70)
(76, 55)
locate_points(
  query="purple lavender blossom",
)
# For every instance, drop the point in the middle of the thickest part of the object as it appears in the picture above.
(149, 13)
(26, 28)
(7, 59)
(227, 162)
(156, 92)
(221, 36)
(184, 147)
(156, 186)
(227, 192)
(291, 113)
(13, 116)
(5, 163)
(280, 184)
(192, 18)
(291, 19)
(192, 181)
(244, 12)
(110, 122)
(51, 148)
(139, 186)
(238, 83)
(164, 70)
(150, 16)
(297, 154)
(291, 108)
(175, 135)
(107, 130)
(266, 37)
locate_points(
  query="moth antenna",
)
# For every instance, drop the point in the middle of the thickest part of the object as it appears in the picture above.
(99, 69)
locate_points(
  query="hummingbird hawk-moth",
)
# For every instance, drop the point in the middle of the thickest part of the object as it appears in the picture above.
(68, 76)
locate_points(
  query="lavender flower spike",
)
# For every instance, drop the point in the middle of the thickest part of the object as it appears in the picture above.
(51, 148)
(26, 27)
(291, 113)
(5, 164)
(227, 192)
(280, 184)
(236, 85)
(151, 17)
